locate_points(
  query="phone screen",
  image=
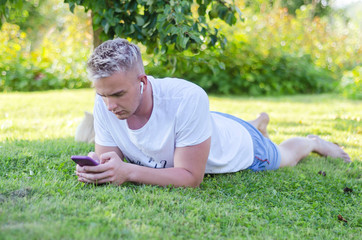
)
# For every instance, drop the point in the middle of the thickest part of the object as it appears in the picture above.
(84, 161)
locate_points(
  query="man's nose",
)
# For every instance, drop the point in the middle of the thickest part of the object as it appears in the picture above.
(111, 104)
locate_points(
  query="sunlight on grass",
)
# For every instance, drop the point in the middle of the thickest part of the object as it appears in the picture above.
(56, 114)
(330, 116)
(43, 115)
(40, 197)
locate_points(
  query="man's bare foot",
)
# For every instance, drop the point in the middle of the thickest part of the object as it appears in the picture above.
(325, 148)
(261, 123)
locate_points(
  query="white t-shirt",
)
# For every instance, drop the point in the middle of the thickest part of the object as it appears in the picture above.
(180, 117)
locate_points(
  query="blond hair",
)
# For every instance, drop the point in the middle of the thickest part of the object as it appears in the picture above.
(117, 55)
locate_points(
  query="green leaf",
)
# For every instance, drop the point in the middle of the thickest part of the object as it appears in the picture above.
(106, 27)
(132, 29)
(213, 40)
(97, 19)
(222, 65)
(201, 10)
(71, 7)
(222, 11)
(195, 38)
(184, 42)
(179, 17)
(230, 19)
(118, 10)
(7, 12)
(119, 30)
(240, 14)
(202, 19)
(140, 21)
(181, 41)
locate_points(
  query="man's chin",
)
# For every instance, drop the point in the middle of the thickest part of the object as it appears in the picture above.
(121, 116)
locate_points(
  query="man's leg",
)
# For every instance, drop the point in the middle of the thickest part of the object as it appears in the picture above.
(261, 123)
(295, 149)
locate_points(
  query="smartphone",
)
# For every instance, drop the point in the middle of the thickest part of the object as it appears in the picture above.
(84, 161)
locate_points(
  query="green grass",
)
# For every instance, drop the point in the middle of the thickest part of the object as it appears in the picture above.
(40, 197)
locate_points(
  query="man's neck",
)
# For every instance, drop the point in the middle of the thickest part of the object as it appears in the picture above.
(143, 113)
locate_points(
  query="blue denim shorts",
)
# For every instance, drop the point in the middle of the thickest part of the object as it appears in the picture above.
(266, 153)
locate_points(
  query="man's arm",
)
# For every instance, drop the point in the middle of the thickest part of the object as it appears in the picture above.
(188, 170)
(99, 150)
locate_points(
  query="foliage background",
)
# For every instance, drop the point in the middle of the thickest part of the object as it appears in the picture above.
(275, 50)
(51, 57)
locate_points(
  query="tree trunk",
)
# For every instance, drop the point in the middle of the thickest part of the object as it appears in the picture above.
(96, 35)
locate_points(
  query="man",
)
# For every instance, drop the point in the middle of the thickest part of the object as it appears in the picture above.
(165, 131)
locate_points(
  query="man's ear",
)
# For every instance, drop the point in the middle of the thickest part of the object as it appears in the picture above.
(143, 78)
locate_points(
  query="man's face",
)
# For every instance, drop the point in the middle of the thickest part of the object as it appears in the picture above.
(120, 92)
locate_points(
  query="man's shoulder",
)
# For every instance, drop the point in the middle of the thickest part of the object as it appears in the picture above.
(173, 81)
(175, 86)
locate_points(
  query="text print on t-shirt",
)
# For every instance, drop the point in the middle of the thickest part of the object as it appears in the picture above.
(152, 163)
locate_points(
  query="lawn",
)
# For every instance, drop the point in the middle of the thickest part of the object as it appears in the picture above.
(40, 197)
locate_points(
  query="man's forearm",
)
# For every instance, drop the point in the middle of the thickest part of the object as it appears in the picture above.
(178, 177)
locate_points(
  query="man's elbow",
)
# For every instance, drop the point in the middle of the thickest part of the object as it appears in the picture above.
(188, 178)
(195, 181)
(196, 184)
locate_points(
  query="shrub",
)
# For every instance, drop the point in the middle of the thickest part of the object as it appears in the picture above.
(270, 53)
(57, 62)
(240, 69)
(351, 84)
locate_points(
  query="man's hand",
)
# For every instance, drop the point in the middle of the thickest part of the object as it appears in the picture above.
(111, 170)
(188, 170)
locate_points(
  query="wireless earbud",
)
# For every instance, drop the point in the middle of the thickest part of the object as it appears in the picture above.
(141, 87)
